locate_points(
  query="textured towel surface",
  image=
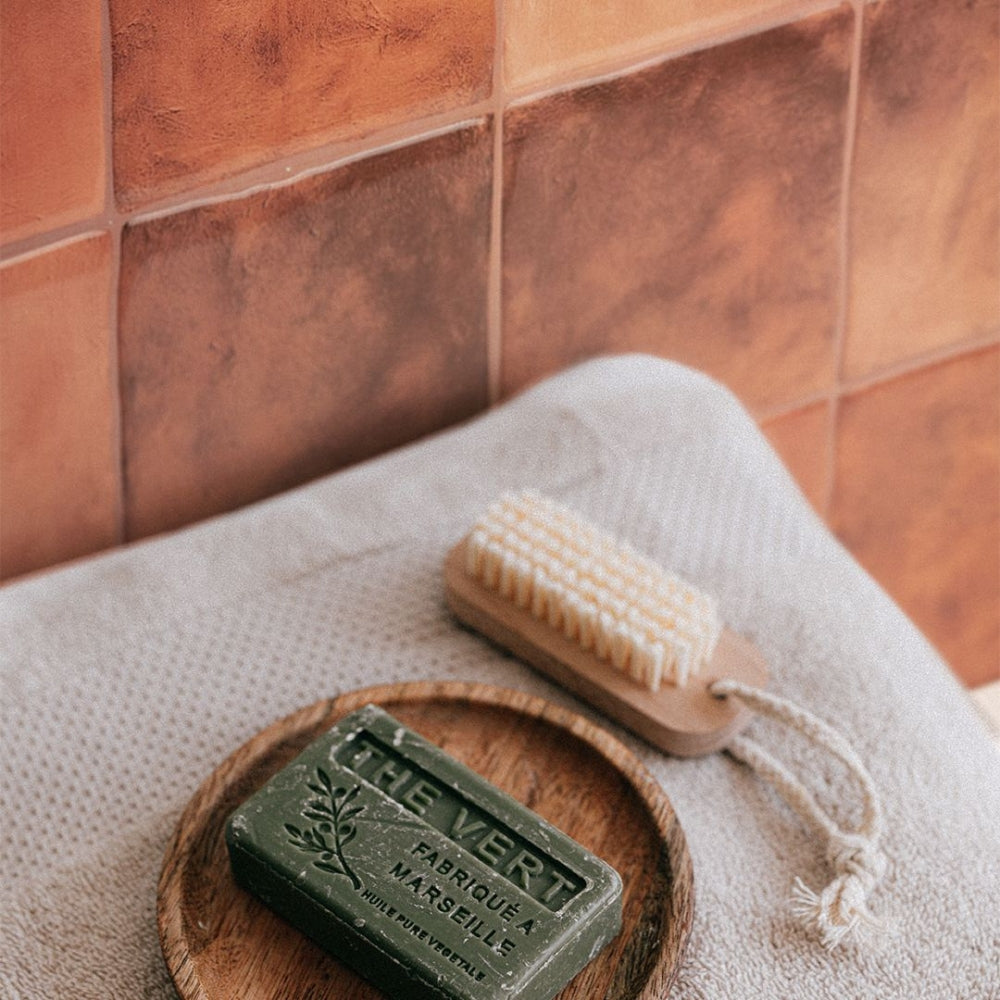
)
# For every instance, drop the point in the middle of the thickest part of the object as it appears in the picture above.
(127, 678)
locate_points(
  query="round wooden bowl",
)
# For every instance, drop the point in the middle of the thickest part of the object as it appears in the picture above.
(222, 944)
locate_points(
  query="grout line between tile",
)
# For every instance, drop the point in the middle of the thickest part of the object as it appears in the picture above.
(97, 227)
(928, 359)
(319, 159)
(280, 173)
(908, 367)
(786, 410)
(115, 402)
(290, 177)
(835, 397)
(494, 329)
(665, 47)
(494, 278)
(17, 251)
(844, 258)
(114, 223)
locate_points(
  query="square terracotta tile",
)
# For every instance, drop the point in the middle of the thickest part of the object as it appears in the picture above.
(52, 163)
(925, 197)
(269, 340)
(544, 42)
(801, 438)
(916, 499)
(202, 92)
(689, 210)
(59, 460)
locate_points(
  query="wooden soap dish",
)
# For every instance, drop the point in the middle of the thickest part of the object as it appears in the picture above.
(686, 721)
(222, 944)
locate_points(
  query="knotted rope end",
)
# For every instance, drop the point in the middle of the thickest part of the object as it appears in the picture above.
(840, 912)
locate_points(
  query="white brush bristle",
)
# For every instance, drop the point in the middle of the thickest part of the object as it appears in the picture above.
(599, 593)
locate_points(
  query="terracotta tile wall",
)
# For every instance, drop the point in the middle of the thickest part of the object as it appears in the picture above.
(245, 248)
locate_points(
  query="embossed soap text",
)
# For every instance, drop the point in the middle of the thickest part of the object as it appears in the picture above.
(523, 864)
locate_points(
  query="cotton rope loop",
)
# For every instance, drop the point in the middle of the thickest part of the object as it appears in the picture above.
(840, 911)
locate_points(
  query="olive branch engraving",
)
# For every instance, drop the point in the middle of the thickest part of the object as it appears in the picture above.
(334, 826)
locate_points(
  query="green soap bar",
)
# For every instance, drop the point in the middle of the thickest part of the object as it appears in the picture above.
(415, 871)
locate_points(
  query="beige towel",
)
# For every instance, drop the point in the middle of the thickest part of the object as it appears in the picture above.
(127, 678)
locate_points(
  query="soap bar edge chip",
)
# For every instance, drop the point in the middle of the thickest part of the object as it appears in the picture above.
(287, 847)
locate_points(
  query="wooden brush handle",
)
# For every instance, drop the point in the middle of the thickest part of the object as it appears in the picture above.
(686, 721)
